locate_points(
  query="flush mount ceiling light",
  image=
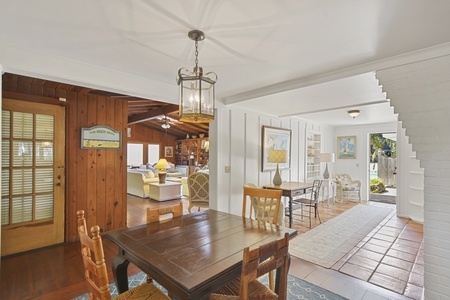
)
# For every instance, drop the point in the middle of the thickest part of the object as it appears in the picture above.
(197, 92)
(353, 113)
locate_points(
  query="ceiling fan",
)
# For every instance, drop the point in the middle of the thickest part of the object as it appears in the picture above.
(165, 123)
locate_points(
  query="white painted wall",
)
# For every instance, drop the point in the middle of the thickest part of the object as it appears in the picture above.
(420, 94)
(359, 168)
(237, 136)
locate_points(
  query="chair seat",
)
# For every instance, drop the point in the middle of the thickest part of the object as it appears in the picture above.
(350, 188)
(256, 290)
(303, 201)
(145, 291)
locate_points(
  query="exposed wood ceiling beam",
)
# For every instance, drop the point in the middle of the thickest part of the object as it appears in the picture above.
(152, 114)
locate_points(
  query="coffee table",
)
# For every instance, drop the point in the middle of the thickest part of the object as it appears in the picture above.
(164, 191)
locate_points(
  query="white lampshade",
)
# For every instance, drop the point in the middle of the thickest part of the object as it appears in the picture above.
(326, 157)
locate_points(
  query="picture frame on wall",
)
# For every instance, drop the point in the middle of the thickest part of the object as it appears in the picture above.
(168, 151)
(274, 138)
(346, 147)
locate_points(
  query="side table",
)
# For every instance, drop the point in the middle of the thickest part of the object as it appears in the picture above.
(330, 186)
(166, 191)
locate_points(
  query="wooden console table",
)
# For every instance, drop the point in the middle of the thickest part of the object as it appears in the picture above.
(291, 190)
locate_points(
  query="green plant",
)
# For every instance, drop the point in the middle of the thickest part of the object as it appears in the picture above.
(376, 181)
(378, 144)
(377, 186)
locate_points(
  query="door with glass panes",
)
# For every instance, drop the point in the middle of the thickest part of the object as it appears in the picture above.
(32, 205)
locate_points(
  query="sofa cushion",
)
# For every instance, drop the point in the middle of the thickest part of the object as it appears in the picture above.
(342, 179)
(171, 168)
(149, 174)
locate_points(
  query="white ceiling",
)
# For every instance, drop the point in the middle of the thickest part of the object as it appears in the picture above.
(309, 58)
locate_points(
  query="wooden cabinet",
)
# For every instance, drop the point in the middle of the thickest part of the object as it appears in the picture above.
(192, 152)
(313, 145)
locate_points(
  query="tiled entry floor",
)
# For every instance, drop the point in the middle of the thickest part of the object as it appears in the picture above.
(391, 256)
(388, 261)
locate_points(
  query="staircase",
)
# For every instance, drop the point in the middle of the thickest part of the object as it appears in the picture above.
(420, 94)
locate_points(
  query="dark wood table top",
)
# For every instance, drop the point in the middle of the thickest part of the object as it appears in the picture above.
(197, 253)
(290, 186)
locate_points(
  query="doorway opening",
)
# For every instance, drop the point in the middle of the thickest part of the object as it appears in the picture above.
(383, 167)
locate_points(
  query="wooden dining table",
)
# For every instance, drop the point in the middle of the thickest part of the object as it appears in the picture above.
(291, 190)
(193, 255)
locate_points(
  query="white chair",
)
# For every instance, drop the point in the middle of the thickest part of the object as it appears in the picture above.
(347, 188)
(198, 184)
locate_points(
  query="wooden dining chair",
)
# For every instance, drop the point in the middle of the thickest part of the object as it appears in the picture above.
(281, 213)
(95, 268)
(265, 206)
(254, 265)
(154, 214)
(311, 202)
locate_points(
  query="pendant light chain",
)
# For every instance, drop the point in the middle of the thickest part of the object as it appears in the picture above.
(196, 53)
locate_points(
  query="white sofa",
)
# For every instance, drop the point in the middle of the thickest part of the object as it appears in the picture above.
(184, 187)
(138, 180)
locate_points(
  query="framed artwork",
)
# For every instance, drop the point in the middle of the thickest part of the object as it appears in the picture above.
(101, 137)
(346, 147)
(168, 151)
(275, 139)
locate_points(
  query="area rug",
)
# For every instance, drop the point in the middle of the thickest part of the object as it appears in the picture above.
(327, 243)
(297, 289)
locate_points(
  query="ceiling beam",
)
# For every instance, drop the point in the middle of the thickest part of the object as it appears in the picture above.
(152, 114)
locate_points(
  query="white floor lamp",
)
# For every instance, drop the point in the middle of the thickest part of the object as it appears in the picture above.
(326, 158)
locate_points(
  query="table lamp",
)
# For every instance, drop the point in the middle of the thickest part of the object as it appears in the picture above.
(162, 165)
(277, 156)
(326, 158)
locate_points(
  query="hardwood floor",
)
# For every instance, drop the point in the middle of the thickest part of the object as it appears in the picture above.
(57, 272)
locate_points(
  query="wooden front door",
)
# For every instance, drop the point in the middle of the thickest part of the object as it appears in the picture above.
(32, 204)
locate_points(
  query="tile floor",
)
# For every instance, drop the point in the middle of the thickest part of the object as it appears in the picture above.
(390, 257)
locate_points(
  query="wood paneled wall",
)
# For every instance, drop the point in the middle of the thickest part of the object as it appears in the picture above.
(95, 179)
(143, 135)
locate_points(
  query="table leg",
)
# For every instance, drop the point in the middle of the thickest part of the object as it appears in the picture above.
(120, 272)
(290, 212)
